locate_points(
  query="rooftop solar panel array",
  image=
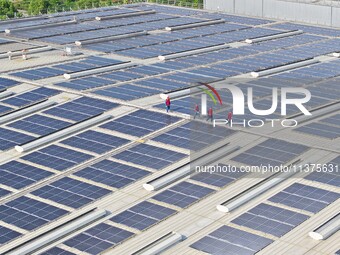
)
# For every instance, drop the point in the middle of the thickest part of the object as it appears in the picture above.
(271, 152)
(143, 215)
(88, 63)
(270, 219)
(98, 238)
(57, 251)
(305, 197)
(231, 241)
(28, 213)
(331, 176)
(71, 192)
(7, 83)
(7, 234)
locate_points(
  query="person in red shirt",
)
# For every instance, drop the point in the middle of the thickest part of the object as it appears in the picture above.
(230, 116)
(197, 110)
(210, 114)
(167, 104)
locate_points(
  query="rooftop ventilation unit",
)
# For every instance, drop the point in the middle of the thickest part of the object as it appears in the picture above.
(5, 94)
(8, 31)
(161, 244)
(30, 51)
(197, 24)
(193, 52)
(62, 133)
(125, 15)
(185, 170)
(252, 192)
(284, 68)
(326, 229)
(272, 37)
(25, 111)
(110, 38)
(69, 76)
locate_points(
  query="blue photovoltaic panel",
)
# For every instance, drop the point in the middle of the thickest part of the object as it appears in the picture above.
(270, 219)
(95, 141)
(143, 215)
(81, 109)
(5, 109)
(71, 192)
(6, 83)
(19, 175)
(111, 173)
(4, 192)
(57, 251)
(140, 123)
(272, 152)
(7, 235)
(330, 177)
(320, 129)
(183, 194)
(231, 241)
(305, 197)
(28, 213)
(98, 238)
(218, 178)
(56, 157)
(39, 124)
(150, 156)
(9, 138)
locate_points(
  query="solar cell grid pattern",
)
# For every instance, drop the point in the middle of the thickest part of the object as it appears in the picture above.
(19, 101)
(69, 67)
(231, 241)
(183, 194)
(218, 179)
(57, 251)
(7, 235)
(57, 157)
(150, 156)
(194, 136)
(305, 197)
(18, 175)
(270, 219)
(81, 109)
(98, 238)
(111, 173)
(272, 152)
(4, 192)
(140, 123)
(327, 127)
(28, 213)
(143, 215)
(95, 141)
(10, 138)
(7, 83)
(71, 192)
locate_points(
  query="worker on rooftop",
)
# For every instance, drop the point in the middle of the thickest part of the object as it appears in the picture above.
(167, 104)
(197, 110)
(210, 114)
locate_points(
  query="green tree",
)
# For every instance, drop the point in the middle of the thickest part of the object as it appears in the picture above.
(38, 6)
(7, 9)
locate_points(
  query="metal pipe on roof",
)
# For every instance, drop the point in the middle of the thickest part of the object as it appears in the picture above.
(58, 233)
(193, 52)
(160, 244)
(252, 192)
(272, 37)
(62, 133)
(284, 68)
(185, 170)
(326, 229)
(30, 51)
(68, 76)
(6, 94)
(25, 111)
(69, 22)
(124, 15)
(197, 24)
(110, 38)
